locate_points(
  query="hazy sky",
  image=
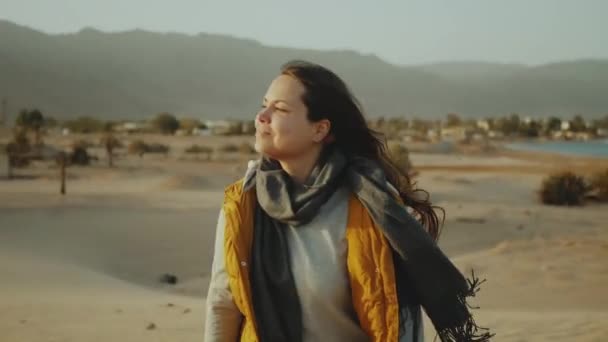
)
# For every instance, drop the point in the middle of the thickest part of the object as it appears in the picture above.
(399, 31)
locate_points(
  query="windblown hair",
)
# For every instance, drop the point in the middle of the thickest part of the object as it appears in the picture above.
(328, 97)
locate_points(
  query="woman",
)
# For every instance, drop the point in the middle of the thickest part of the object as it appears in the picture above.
(324, 239)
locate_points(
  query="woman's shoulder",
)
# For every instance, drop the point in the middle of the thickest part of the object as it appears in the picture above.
(249, 176)
(235, 190)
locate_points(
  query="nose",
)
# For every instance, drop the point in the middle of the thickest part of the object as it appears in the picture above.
(264, 116)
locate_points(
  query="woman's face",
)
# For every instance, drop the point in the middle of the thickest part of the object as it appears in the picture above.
(283, 130)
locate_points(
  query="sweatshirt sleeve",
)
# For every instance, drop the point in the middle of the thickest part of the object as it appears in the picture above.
(223, 319)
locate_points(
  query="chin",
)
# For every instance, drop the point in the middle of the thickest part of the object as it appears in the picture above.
(262, 149)
(268, 152)
(258, 147)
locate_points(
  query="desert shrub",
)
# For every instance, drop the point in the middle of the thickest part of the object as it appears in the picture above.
(165, 123)
(79, 156)
(227, 148)
(189, 124)
(138, 147)
(157, 148)
(564, 188)
(197, 150)
(31, 120)
(84, 125)
(109, 141)
(18, 149)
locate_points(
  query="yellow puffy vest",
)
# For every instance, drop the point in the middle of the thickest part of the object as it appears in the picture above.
(369, 263)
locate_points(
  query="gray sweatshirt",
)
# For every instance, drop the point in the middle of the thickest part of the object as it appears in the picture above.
(318, 262)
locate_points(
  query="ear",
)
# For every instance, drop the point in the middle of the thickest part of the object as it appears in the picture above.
(321, 130)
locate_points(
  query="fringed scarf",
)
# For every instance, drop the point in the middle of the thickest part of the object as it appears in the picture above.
(435, 283)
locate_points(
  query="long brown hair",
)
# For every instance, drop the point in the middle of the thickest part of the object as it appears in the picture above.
(328, 97)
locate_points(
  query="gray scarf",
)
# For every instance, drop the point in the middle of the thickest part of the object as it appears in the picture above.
(434, 282)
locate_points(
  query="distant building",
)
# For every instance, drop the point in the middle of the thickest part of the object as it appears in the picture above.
(478, 137)
(457, 133)
(584, 136)
(432, 134)
(130, 127)
(558, 135)
(204, 132)
(483, 124)
(181, 132)
(411, 135)
(223, 127)
(495, 134)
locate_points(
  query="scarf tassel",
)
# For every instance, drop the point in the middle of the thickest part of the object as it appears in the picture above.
(468, 331)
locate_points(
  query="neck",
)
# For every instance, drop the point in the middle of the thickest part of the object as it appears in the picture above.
(300, 168)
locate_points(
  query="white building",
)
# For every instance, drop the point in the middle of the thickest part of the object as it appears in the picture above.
(483, 124)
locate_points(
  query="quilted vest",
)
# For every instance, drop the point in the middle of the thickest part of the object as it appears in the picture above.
(369, 263)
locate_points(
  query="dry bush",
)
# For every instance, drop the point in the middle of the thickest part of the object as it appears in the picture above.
(227, 148)
(157, 148)
(564, 188)
(18, 149)
(198, 149)
(138, 147)
(79, 156)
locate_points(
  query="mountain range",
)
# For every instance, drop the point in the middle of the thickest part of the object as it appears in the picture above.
(136, 74)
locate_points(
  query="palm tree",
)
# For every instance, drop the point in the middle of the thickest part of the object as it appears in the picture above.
(110, 143)
(31, 120)
(62, 160)
(36, 120)
(10, 151)
(17, 150)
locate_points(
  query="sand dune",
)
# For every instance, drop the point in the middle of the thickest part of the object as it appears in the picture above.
(96, 278)
(192, 183)
(544, 289)
(86, 266)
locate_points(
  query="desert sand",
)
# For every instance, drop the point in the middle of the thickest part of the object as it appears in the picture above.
(86, 266)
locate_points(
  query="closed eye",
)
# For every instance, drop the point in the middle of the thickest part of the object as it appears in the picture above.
(275, 107)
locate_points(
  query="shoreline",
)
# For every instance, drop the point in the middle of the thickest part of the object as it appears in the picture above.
(537, 142)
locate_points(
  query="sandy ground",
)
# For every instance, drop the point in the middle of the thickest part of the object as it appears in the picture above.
(86, 266)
